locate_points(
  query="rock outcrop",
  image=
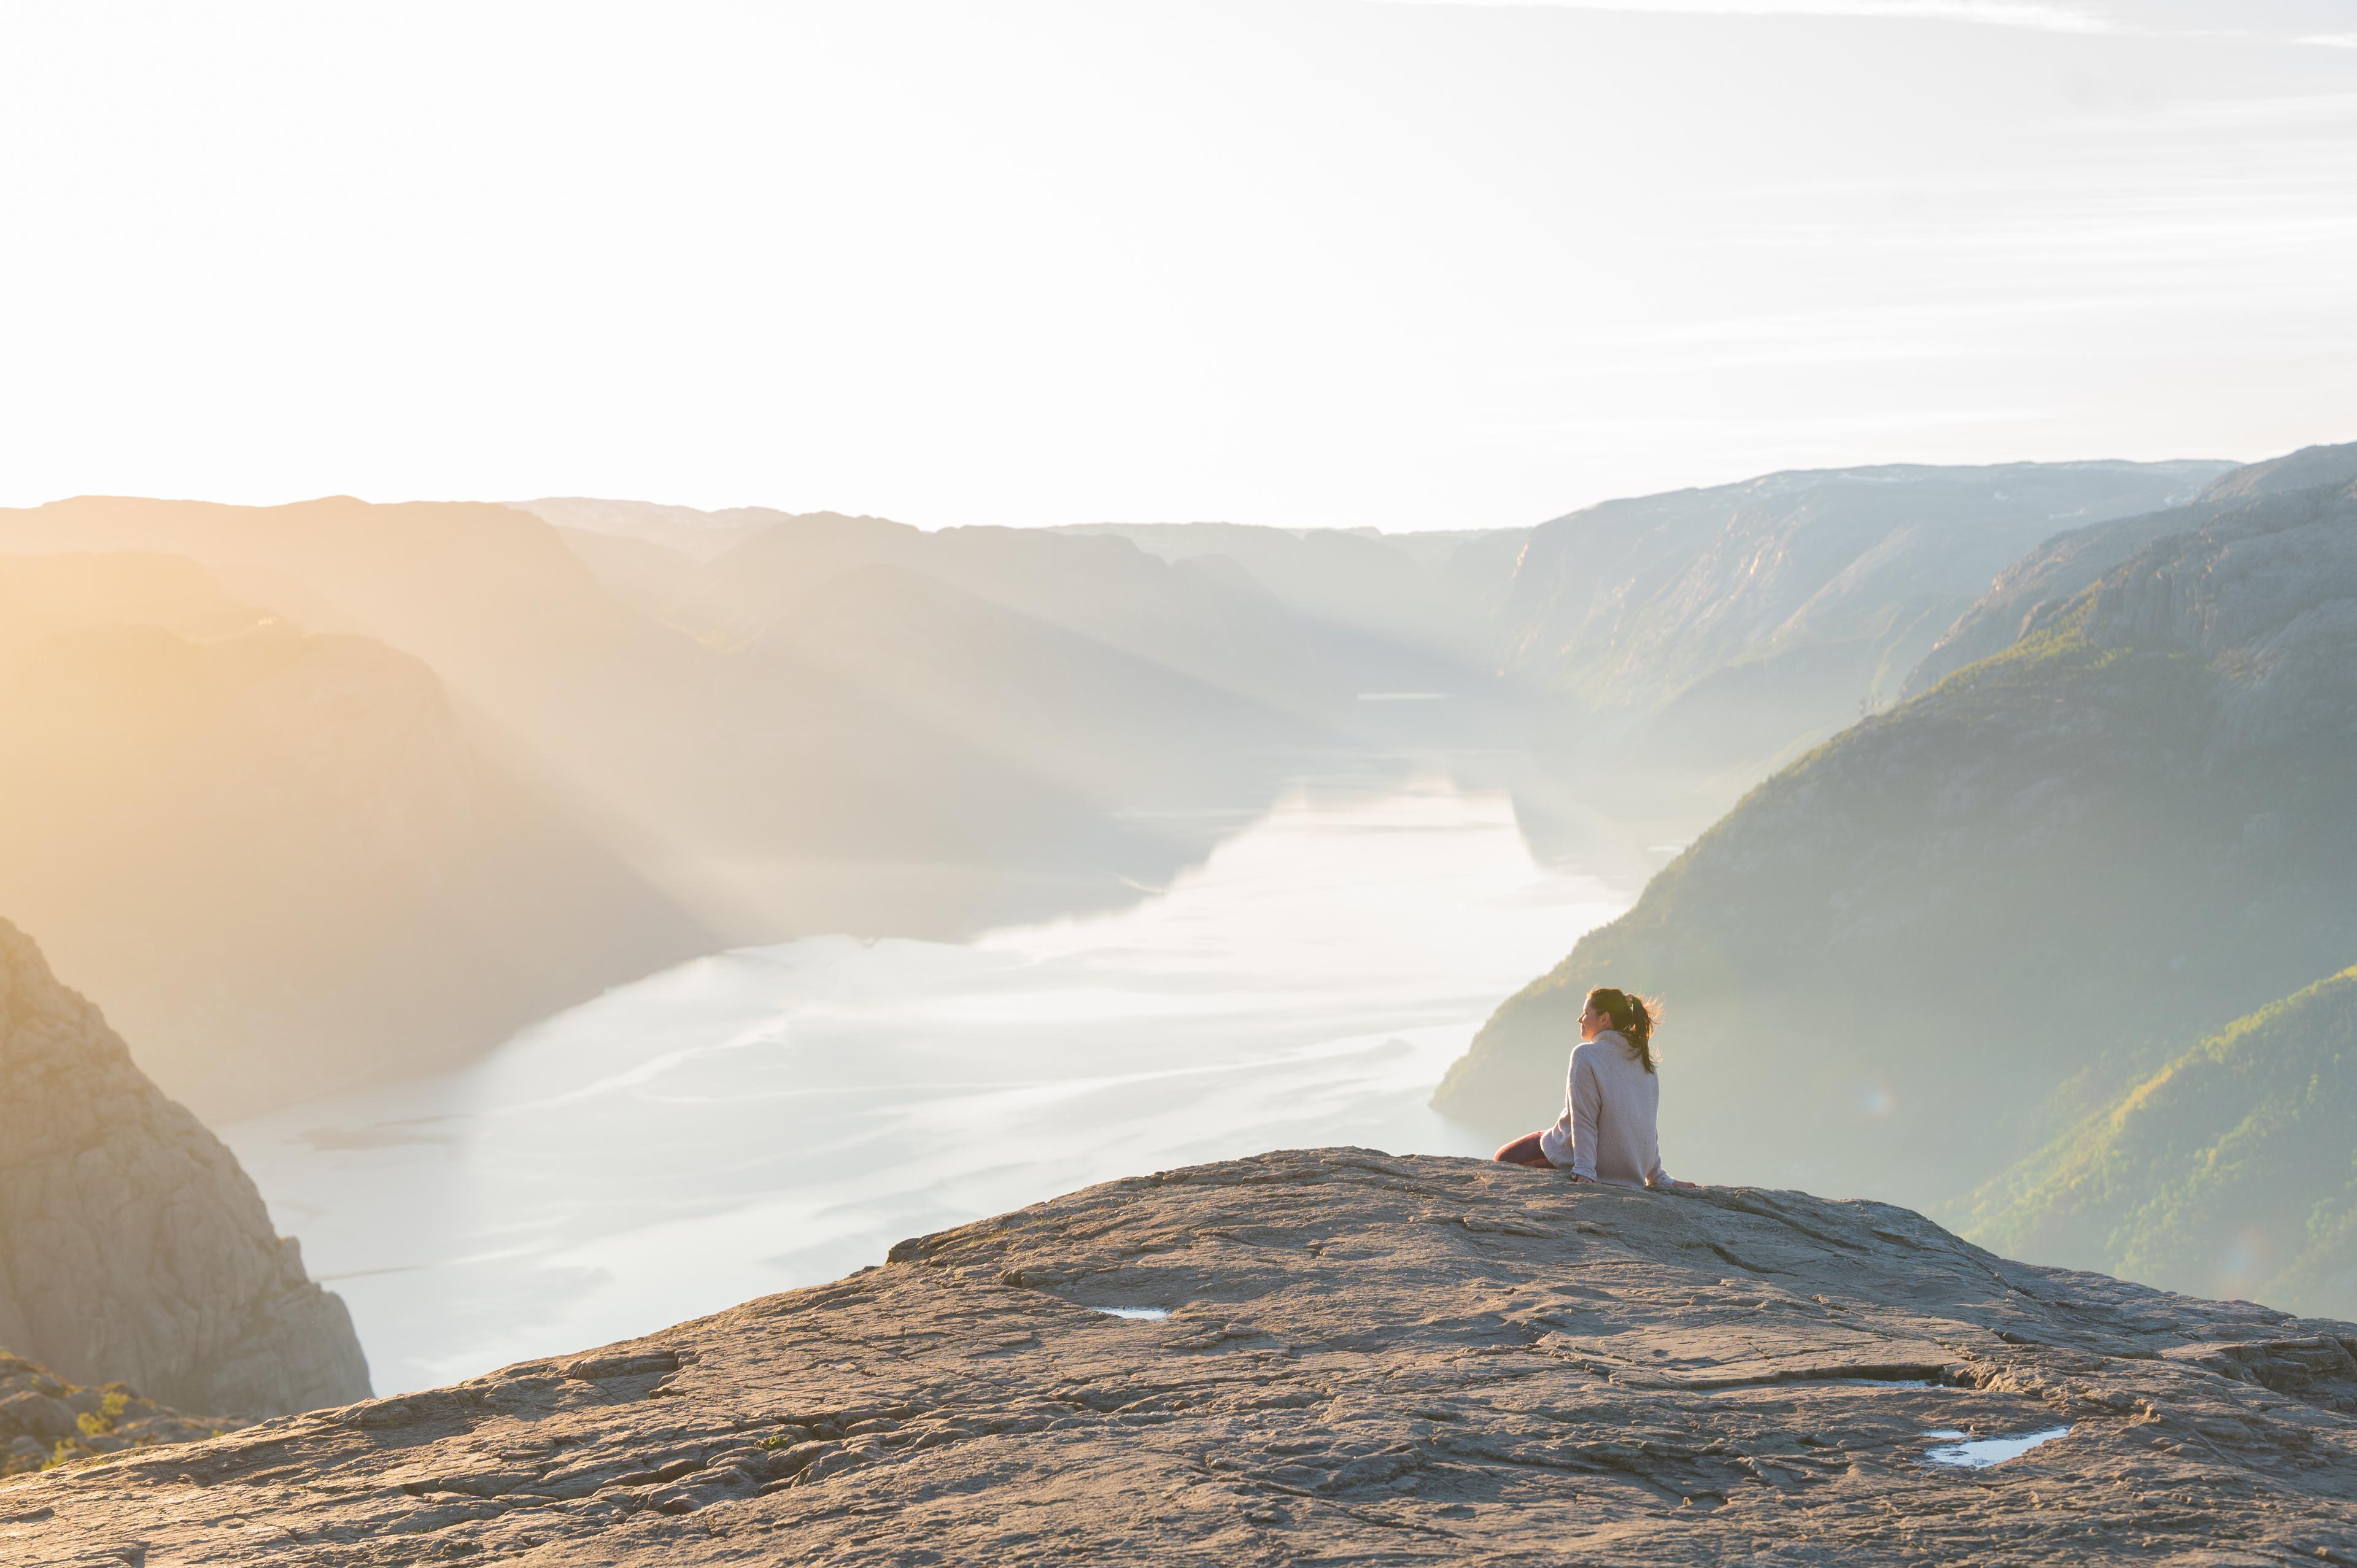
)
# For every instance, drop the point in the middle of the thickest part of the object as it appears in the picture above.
(2042, 580)
(1331, 1356)
(46, 1420)
(132, 1246)
(2050, 577)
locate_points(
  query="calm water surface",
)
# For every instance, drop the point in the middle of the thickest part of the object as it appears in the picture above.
(778, 1116)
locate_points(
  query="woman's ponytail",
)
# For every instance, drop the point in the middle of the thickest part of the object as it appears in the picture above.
(1632, 1016)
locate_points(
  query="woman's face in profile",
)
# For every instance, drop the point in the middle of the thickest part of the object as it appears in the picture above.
(1593, 1023)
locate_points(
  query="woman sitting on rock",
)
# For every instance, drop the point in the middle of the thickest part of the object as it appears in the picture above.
(1610, 1100)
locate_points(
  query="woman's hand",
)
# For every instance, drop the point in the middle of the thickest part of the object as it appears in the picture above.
(1677, 1186)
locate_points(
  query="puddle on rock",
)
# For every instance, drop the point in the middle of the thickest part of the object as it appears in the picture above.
(1139, 1314)
(1961, 1453)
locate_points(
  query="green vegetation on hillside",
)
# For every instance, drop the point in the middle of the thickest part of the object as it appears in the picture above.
(1702, 636)
(47, 1422)
(1916, 955)
(2066, 565)
(2230, 1172)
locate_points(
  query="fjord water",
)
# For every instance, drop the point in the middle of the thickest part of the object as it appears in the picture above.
(778, 1116)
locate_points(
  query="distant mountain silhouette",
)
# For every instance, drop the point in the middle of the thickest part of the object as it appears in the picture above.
(1699, 636)
(971, 710)
(2050, 577)
(1424, 606)
(284, 860)
(1688, 642)
(570, 787)
(1921, 952)
(2227, 1170)
(700, 535)
(531, 760)
(1210, 628)
(2310, 468)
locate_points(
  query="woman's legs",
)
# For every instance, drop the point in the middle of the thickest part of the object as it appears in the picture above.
(1526, 1151)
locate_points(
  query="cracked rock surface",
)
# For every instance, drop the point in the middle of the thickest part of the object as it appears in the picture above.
(1366, 1359)
(133, 1246)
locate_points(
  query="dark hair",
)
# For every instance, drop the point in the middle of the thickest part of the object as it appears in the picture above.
(1629, 1013)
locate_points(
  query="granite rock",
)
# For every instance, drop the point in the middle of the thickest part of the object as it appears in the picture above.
(46, 1420)
(1366, 1358)
(132, 1245)
(2048, 579)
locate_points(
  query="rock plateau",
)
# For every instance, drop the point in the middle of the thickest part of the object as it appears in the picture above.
(1364, 1359)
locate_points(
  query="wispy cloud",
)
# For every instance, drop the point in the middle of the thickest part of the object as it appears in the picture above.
(2034, 14)
(2080, 16)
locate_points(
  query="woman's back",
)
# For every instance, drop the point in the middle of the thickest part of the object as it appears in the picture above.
(1615, 1104)
(1610, 1100)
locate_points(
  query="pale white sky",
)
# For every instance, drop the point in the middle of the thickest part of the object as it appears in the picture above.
(1300, 261)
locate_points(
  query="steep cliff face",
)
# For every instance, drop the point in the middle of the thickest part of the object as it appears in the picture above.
(1335, 1357)
(2058, 570)
(132, 1247)
(1926, 949)
(2043, 581)
(1718, 627)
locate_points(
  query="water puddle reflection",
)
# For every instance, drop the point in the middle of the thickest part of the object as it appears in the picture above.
(1962, 1453)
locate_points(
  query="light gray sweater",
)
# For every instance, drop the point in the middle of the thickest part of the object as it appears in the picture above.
(1610, 1105)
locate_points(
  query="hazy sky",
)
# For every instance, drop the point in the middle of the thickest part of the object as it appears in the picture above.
(1336, 263)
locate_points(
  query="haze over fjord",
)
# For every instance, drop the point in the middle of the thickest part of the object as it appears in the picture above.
(914, 710)
(427, 773)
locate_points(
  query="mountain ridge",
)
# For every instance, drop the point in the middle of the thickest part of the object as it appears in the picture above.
(2026, 830)
(287, 860)
(2224, 1171)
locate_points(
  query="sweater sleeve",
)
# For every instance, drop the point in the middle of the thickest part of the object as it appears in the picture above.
(1586, 1109)
(1657, 1176)
(1556, 1143)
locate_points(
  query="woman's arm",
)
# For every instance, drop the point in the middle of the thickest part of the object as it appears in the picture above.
(1587, 1113)
(1659, 1178)
(1558, 1141)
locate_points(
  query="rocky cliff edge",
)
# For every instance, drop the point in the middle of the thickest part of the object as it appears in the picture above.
(132, 1245)
(1364, 1359)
